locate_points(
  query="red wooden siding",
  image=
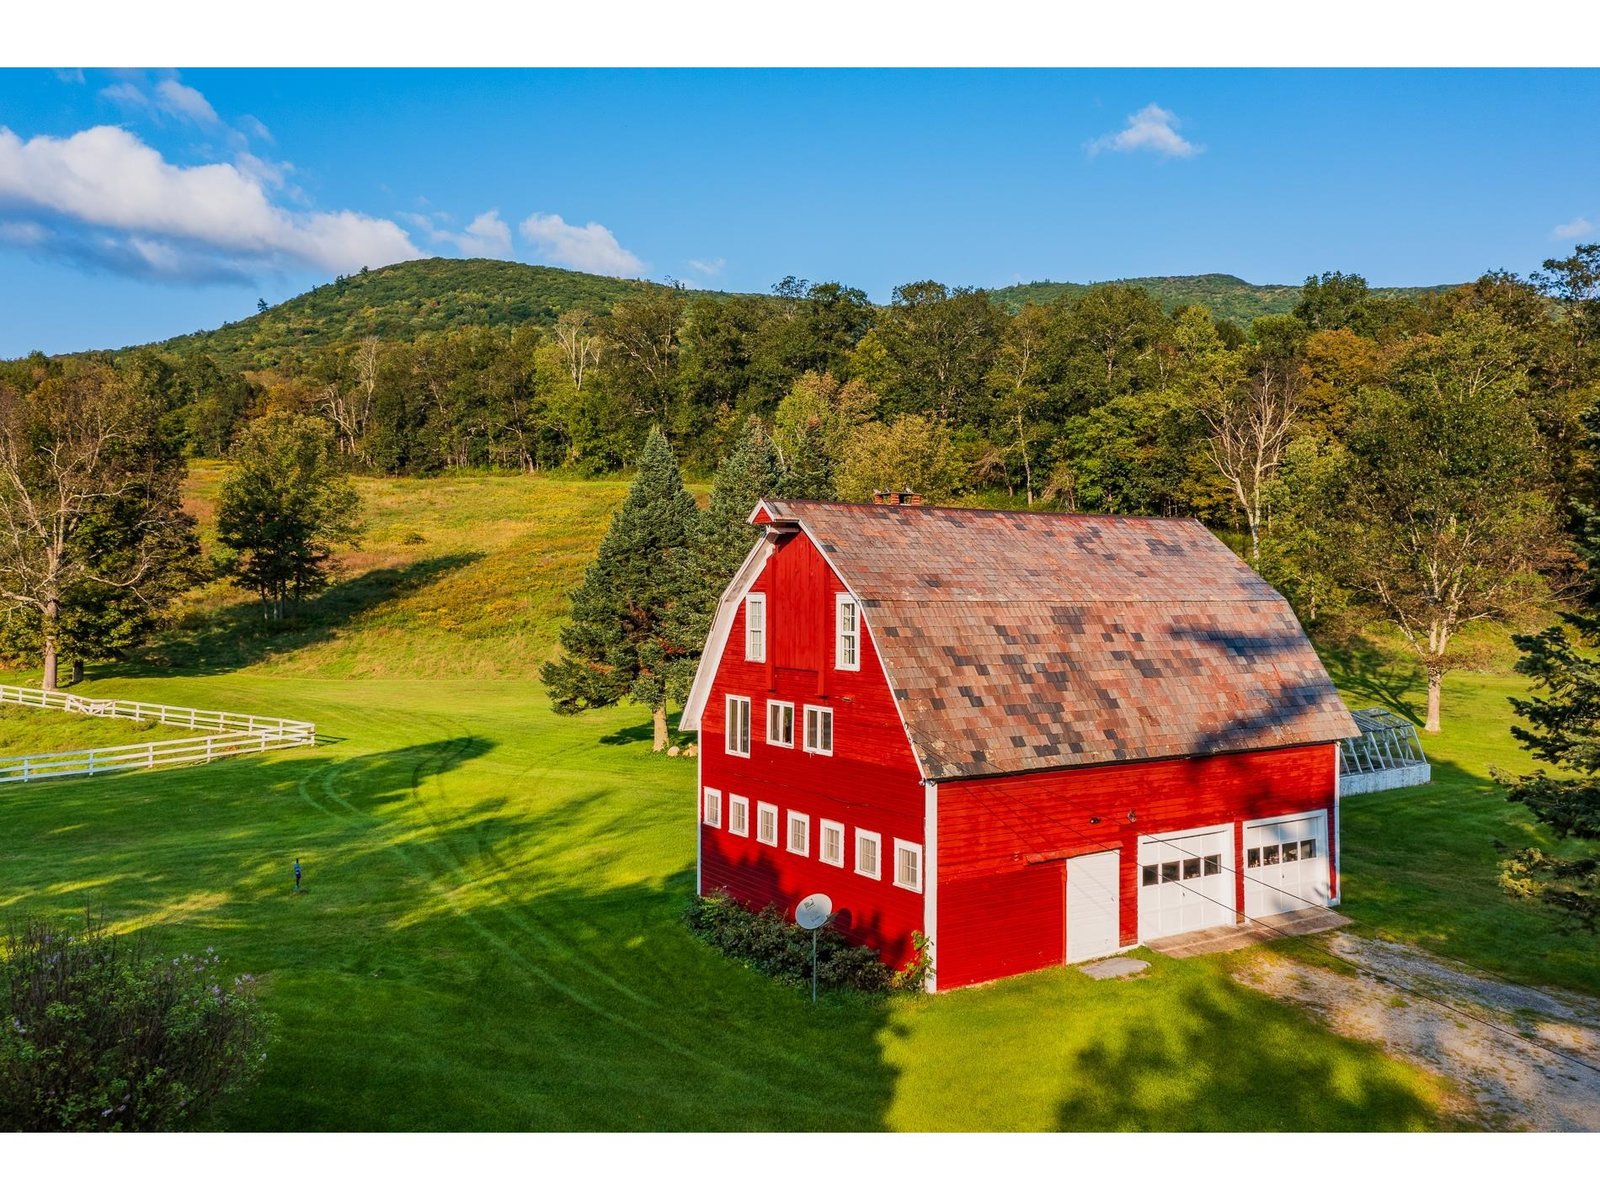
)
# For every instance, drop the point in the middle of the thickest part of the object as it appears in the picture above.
(1003, 841)
(871, 781)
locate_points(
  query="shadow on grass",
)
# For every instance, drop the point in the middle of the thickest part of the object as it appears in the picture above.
(1365, 673)
(458, 960)
(1206, 1068)
(214, 642)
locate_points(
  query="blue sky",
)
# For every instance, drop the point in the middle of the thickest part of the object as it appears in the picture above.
(137, 205)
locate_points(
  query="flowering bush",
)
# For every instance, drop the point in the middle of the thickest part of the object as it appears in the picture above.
(775, 946)
(99, 1032)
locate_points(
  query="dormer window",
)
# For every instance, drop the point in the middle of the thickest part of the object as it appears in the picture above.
(755, 627)
(847, 633)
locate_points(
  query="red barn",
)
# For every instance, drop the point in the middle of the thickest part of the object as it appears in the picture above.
(1036, 738)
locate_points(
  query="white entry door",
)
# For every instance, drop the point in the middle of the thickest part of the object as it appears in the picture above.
(1093, 911)
(1286, 865)
(1186, 882)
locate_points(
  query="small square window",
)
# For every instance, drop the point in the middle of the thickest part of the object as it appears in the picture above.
(1150, 876)
(767, 824)
(867, 845)
(711, 808)
(1213, 864)
(755, 627)
(907, 865)
(1191, 868)
(831, 847)
(780, 723)
(1269, 855)
(1291, 852)
(1252, 856)
(739, 816)
(1308, 849)
(1169, 872)
(799, 833)
(819, 730)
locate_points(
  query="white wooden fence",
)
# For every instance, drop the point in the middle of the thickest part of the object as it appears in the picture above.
(228, 734)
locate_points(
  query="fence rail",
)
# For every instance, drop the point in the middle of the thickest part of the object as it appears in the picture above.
(231, 734)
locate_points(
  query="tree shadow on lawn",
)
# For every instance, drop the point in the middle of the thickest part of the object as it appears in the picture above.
(456, 961)
(217, 641)
(1218, 1057)
(1364, 672)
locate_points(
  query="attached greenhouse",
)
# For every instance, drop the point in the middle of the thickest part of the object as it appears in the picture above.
(1388, 754)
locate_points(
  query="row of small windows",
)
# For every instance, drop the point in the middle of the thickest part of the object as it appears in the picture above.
(817, 726)
(831, 841)
(1211, 864)
(1269, 856)
(846, 630)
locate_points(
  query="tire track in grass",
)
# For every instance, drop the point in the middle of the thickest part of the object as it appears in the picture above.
(532, 969)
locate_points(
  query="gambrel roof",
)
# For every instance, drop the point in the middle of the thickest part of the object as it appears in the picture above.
(1024, 641)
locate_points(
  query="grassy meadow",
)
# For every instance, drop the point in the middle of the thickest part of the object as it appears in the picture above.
(491, 932)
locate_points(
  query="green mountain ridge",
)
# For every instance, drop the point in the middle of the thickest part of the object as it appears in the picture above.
(399, 302)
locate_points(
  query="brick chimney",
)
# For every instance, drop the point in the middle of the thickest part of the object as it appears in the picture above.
(902, 497)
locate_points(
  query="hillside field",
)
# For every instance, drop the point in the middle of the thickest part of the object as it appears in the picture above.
(491, 934)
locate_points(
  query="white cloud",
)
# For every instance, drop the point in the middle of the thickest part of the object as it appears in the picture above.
(23, 233)
(1152, 129)
(590, 247)
(707, 266)
(181, 100)
(1576, 228)
(107, 196)
(487, 236)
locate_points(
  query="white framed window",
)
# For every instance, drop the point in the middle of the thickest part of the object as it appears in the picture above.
(755, 627)
(780, 723)
(830, 843)
(767, 824)
(846, 633)
(819, 730)
(738, 815)
(799, 833)
(738, 732)
(868, 846)
(711, 808)
(907, 865)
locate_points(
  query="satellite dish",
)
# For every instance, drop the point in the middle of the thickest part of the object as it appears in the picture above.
(813, 912)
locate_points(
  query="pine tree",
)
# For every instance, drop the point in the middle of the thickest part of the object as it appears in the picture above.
(1565, 733)
(621, 639)
(723, 535)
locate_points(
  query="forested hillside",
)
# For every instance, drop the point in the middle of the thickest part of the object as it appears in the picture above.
(398, 302)
(1227, 297)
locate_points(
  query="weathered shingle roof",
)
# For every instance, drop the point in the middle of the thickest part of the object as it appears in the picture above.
(1021, 641)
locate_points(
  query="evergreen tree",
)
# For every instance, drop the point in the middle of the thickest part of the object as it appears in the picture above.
(285, 503)
(624, 638)
(1565, 733)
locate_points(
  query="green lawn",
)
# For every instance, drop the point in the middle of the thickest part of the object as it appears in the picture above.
(491, 935)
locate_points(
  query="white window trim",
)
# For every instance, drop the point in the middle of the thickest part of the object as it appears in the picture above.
(776, 704)
(727, 732)
(899, 845)
(788, 834)
(762, 809)
(743, 804)
(823, 829)
(839, 601)
(805, 729)
(759, 599)
(877, 843)
(711, 808)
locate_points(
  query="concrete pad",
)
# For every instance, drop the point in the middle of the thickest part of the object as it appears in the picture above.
(1221, 939)
(1113, 968)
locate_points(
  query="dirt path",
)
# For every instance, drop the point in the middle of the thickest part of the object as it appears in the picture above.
(1505, 1082)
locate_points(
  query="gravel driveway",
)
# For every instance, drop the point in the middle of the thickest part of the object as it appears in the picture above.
(1504, 1081)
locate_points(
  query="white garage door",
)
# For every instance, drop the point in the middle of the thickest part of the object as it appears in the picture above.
(1286, 865)
(1092, 909)
(1185, 882)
